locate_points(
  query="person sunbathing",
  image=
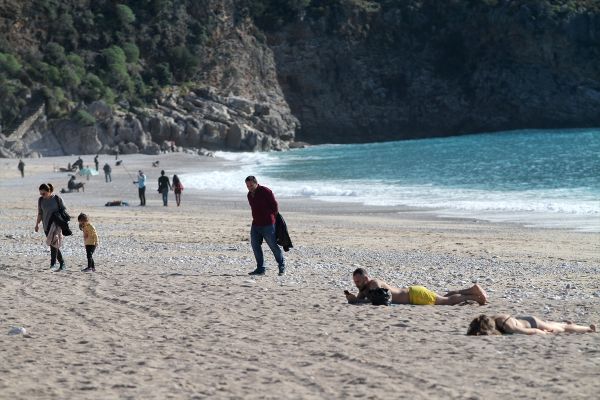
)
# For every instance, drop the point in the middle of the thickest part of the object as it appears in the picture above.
(506, 324)
(416, 295)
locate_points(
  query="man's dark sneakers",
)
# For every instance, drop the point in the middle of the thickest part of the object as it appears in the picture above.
(257, 271)
(89, 269)
(281, 271)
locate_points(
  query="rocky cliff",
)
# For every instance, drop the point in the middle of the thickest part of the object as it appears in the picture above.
(395, 70)
(248, 75)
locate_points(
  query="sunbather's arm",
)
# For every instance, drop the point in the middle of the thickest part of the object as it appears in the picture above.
(358, 299)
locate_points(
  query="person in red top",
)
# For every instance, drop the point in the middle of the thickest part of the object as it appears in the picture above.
(264, 210)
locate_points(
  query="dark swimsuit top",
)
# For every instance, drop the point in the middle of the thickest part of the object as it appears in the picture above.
(502, 325)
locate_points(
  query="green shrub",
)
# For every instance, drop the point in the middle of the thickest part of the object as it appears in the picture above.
(132, 52)
(163, 74)
(109, 96)
(92, 88)
(125, 15)
(70, 78)
(55, 54)
(114, 55)
(53, 76)
(183, 62)
(117, 74)
(9, 64)
(11, 100)
(56, 102)
(84, 118)
(77, 63)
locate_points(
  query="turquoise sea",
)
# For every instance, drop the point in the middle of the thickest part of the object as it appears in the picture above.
(535, 177)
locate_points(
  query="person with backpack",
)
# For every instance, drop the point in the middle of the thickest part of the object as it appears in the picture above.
(48, 205)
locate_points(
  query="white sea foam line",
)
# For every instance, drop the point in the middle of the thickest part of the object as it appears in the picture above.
(390, 195)
(385, 194)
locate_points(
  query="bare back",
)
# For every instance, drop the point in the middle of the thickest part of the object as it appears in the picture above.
(506, 323)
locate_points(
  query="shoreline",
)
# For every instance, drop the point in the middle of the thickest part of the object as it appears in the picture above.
(181, 163)
(527, 214)
(133, 162)
(171, 300)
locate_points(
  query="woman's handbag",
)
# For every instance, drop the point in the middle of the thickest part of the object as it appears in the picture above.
(62, 218)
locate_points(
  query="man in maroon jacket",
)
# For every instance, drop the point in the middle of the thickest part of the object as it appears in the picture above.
(264, 210)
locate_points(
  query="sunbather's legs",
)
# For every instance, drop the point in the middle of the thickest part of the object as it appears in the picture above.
(474, 293)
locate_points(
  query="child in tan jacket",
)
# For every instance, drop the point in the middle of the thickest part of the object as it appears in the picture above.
(90, 239)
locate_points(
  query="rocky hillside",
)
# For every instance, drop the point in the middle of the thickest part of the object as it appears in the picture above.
(83, 76)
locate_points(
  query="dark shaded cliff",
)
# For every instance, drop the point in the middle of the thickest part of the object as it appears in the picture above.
(385, 70)
(260, 74)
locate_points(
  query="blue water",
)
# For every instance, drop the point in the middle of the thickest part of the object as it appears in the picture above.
(547, 178)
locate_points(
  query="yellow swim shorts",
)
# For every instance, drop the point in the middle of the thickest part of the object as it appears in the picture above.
(421, 296)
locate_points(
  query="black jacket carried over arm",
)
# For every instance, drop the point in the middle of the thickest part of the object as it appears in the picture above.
(281, 233)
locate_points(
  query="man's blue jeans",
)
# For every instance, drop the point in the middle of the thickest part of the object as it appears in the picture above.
(165, 194)
(267, 232)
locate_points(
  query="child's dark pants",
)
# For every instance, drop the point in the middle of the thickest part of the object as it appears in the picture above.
(89, 251)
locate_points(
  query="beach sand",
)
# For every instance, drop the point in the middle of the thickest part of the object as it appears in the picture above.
(172, 314)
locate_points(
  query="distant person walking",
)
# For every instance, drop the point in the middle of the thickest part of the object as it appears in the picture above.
(90, 241)
(107, 171)
(96, 162)
(164, 185)
(48, 204)
(21, 167)
(264, 210)
(141, 182)
(177, 189)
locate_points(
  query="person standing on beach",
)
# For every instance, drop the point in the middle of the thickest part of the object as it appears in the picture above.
(164, 185)
(177, 189)
(48, 204)
(96, 162)
(415, 295)
(21, 167)
(107, 170)
(90, 241)
(264, 210)
(141, 182)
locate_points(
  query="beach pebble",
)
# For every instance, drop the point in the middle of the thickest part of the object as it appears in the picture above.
(17, 330)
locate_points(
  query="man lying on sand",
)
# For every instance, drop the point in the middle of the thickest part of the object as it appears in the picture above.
(417, 295)
(504, 323)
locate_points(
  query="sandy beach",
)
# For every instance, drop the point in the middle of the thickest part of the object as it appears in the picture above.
(171, 312)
